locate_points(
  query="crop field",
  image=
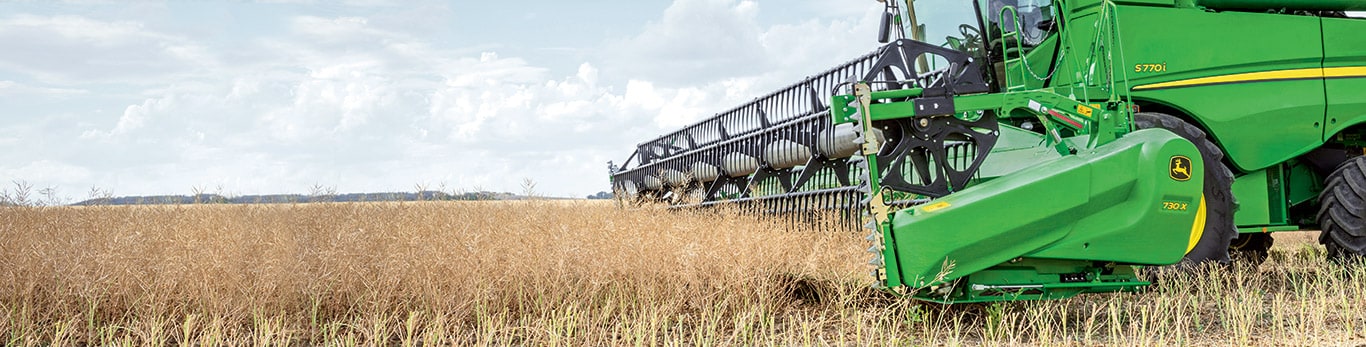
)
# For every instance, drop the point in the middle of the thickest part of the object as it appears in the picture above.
(577, 273)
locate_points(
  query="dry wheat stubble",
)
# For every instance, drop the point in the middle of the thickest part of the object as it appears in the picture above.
(541, 272)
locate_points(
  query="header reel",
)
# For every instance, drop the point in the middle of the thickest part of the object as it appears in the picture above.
(785, 152)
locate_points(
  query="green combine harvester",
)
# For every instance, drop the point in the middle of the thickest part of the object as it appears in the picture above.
(1044, 149)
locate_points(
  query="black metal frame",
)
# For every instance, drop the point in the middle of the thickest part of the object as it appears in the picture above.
(799, 113)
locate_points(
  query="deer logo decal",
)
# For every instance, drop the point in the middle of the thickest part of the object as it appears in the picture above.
(1180, 168)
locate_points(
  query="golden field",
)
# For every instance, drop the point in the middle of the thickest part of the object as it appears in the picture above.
(576, 273)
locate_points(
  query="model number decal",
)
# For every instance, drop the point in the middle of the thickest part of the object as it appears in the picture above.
(1150, 67)
(1173, 206)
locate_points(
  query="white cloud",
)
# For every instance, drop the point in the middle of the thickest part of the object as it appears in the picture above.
(136, 116)
(336, 29)
(356, 118)
(588, 74)
(695, 40)
(72, 49)
(711, 55)
(16, 89)
(347, 101)
(707, 41)
(52, 173)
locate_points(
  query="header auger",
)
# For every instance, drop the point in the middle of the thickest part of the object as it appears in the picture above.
(1046, 148)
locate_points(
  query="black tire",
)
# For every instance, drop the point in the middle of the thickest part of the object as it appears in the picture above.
(1219, 228)
(1342, 208)
(1251, 248)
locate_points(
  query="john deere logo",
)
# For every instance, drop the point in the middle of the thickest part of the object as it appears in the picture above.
(1180, 168)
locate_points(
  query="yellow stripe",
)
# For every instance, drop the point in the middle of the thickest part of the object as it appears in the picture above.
(1242, 77)
(1349, 71)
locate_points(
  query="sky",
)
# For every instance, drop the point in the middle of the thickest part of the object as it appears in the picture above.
(148, 98)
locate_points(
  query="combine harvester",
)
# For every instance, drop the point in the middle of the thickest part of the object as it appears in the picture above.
(1048, 147)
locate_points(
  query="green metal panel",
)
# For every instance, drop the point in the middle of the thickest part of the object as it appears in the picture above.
(1261, 199)
(1078, 34)
(1253, 204)
(1320, 5)
(1113, 203)
(1254, 132)
(1147, 2)
(1268, 229)
(1019, 77)
(1016, 149)
(1039, 279)
(1254, 89)
(1302, 184)
(1344, 64)
(1275, 192)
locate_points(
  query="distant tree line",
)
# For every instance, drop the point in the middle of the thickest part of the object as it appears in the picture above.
(426, 195)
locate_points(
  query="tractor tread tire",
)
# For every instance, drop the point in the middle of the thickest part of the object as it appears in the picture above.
(1342, 210)
(1219, 201)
